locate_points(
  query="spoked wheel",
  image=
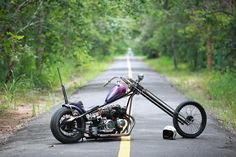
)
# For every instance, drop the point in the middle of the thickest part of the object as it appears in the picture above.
(66, 132)
(189, 119)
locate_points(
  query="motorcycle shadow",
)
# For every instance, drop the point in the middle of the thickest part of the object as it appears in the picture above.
(100, 140)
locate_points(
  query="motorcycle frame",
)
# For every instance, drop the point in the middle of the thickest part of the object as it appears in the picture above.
(136, 89)
(117, 121)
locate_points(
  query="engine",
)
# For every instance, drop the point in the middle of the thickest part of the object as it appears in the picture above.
(109, 120)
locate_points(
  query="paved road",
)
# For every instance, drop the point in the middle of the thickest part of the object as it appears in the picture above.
(36, 140)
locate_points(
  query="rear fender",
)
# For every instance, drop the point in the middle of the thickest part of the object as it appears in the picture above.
(76, 106)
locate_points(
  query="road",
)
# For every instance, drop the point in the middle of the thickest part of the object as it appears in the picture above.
(146, 140)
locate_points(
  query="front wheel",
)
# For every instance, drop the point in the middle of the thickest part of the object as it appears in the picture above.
(193, 118)
(66, 132)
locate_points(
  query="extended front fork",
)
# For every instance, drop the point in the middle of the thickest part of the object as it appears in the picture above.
(155, 100)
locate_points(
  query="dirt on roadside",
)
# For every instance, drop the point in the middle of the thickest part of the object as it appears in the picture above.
(11, 121)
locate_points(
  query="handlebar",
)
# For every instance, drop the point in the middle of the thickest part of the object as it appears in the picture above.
(120, 78)
(110, 80)
(128, 81)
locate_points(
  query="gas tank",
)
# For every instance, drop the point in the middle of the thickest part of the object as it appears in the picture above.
(116, 91)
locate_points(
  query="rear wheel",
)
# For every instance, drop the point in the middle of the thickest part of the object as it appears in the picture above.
(194, 117)
(66, 132)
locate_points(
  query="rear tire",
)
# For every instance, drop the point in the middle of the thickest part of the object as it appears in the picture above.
(194, 114)
(67, 133)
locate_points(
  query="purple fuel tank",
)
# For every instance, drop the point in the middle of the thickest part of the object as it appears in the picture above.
(116, 91)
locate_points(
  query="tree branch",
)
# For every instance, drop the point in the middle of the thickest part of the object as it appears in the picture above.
(24, 4)
(30, 23)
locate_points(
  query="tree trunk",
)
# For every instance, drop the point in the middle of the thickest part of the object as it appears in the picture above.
(39, 39)
(9, 75)
(195, 60)
(173, 49)
(209, 50)
(230, 56)
(165, 5)
(66, 30)
(12, 49)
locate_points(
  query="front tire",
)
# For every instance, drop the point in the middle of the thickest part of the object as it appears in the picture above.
(193, 114)
(66, 132)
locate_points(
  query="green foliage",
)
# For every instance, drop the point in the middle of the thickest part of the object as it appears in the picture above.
(164, 66)
(215, 90)
(10, 90)
(221, 87)
(181, 29)
(36, 37)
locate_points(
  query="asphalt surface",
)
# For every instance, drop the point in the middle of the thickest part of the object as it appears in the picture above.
(146, 140)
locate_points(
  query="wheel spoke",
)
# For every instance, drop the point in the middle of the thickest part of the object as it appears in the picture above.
(195, 117)
(68, 129)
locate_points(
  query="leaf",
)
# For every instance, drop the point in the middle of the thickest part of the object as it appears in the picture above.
(19, 37)
(14, 36)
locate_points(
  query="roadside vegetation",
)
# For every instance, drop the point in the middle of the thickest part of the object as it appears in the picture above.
(215, 90)
(37, 36)
(19, 93)
(193, 43)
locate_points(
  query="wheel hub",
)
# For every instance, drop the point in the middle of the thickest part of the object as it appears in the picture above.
(190, 119)
(68, 129)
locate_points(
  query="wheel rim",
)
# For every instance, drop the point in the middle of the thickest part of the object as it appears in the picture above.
(193, 117)
(68, 129)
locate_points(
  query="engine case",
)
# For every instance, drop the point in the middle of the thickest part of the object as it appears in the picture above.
(108, 120)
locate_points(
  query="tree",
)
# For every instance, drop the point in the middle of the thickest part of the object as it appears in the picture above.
(37, 35)
(195, 32)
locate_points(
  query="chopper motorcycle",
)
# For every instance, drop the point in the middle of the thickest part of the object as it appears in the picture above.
(71, 123)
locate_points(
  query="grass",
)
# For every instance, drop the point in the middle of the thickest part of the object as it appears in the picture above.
(216, 91)
(19, 93)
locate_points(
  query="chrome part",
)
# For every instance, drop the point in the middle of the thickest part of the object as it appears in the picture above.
(140, 77)
(114, 135)
(68, 129)
(94, 130)
(127, 130)
(87, 126)
(91, 116)
(120, 123)
(109, 124)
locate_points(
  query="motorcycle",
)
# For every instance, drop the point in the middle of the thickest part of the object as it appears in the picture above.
(72, 123)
